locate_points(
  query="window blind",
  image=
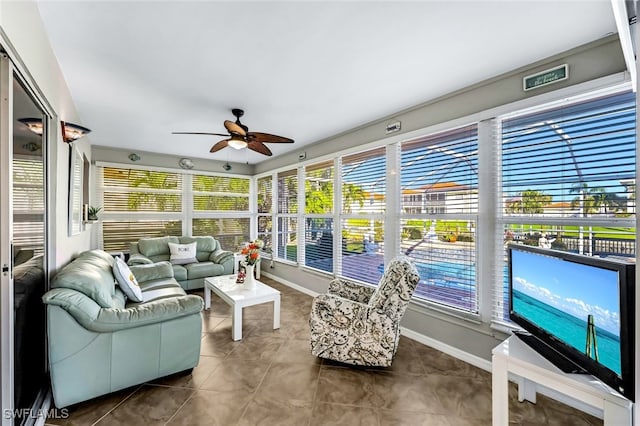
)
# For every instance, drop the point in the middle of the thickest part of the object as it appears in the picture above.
(231, 232)
(318, 220)
(220, 193)
(362, 219)
(568, 181)
(28, 204)
(439, 202)
(138, 203)
(265, 203)
(287, 220)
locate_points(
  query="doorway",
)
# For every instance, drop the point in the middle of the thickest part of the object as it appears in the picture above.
(23, 225)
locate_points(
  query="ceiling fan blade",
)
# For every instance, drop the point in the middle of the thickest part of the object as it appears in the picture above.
(222, 144)
(268, 138)
(199, 133)
(234, 128)
(259, 147)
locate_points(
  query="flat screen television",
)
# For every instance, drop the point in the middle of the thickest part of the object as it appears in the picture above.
(577, 311)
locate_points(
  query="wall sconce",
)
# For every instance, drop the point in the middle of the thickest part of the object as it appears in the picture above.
(70, 132)
(134, 157)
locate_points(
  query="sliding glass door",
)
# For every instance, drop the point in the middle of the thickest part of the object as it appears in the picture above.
(22, 248)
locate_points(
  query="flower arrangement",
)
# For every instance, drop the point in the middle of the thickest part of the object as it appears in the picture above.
(252, 251)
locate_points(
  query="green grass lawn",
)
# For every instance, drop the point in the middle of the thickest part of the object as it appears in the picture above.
(573, 231)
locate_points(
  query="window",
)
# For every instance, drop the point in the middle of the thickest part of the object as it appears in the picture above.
(265, 211)
(287, 219)
(439, 200)
(318, 229)
(362, 218)
(138, 203)
(221, 209)
(28, 203)
(568, 180)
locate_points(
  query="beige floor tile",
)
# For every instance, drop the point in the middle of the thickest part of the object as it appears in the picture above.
(347, 386)
(149, 405)
(291, 381)
(334, 414)
(408, 418)
(296, 351)
(212, 408)
(206, 366)
(265, 410)
(88, 412)
(236, 375)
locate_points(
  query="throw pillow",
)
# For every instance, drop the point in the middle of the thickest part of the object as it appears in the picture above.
(127, 280)
(182, 254)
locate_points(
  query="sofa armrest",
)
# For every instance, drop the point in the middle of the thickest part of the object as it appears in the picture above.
(103, 320)
(351, 290)
(153, 271)
(220, 256)
(138, 259)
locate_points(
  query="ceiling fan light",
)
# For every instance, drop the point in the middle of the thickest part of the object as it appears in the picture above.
(237, 143)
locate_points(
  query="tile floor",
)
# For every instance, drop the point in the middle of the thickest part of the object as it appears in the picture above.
(270, 378)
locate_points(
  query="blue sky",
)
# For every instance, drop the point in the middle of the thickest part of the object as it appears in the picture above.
(573, 288)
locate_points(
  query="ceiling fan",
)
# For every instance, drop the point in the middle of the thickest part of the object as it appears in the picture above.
(240, 137)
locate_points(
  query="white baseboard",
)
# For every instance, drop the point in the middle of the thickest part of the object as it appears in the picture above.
(290, 284)
(449, 350)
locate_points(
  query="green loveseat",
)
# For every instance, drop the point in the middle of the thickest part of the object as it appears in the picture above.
(212, 260)
(99, 342)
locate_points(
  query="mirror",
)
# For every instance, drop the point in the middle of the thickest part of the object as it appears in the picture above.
(76, 166)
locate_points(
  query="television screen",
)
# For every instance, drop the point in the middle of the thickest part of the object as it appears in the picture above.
(578, 305)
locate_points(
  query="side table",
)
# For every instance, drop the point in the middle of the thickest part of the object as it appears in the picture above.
(514, 356)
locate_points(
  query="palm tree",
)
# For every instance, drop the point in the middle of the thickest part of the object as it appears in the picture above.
(592, 200)
(531, 202)
(352, 194)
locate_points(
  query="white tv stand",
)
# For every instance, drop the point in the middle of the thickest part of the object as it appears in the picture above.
(514, 356)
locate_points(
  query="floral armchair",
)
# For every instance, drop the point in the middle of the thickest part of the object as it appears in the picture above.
(358, 324)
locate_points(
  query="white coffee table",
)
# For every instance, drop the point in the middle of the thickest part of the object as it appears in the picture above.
(239, 296)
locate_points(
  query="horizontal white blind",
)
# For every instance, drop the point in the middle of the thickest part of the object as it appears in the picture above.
(28, 204)
(287, 247)
(362, 220)
(318, 243)
(220, 193)
(137, 204)
(131, 190)
(439, 200)
(265, 194)
(364, 182)
(231, 232)
(440, 173)
(319, 188)
(116, 235)
(288, 191)
(577, 161)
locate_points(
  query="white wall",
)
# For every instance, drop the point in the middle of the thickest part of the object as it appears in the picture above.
(23, 36)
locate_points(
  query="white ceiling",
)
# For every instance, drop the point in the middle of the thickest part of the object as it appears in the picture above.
(138, 70)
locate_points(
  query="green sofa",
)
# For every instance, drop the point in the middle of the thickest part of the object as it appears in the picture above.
(99, 342)
(212, 260)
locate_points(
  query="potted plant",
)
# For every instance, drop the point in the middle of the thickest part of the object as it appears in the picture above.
(92, 212)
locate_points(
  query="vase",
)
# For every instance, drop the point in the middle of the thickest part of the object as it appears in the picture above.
(249, 280)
